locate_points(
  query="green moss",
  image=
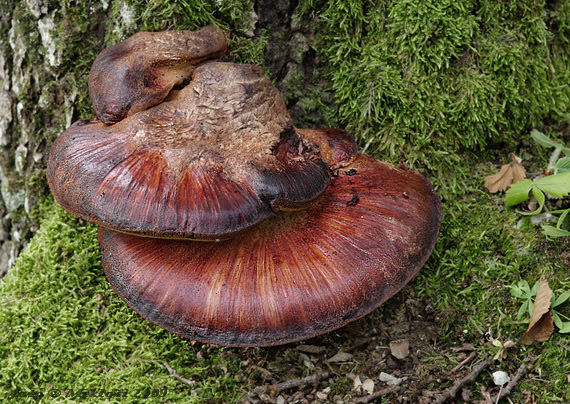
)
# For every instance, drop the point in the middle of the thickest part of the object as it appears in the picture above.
(424, 80)
(64, 329)
(433, 83)
(481, 250)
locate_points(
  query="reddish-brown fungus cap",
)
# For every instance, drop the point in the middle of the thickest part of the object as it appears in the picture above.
(140, 71)
(296, 276)
(221, 156)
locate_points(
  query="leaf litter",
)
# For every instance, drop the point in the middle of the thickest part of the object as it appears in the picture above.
(541, 324)
(509, 174)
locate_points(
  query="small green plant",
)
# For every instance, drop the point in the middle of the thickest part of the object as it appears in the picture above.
(555, 184)
(522, 290)
(555, 164)
(558, 231)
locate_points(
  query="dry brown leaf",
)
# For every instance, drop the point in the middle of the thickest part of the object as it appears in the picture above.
(541, 324)
(400, 348)
(508, 175)
(340, 357)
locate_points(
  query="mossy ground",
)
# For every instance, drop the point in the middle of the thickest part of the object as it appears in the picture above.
(450, 87)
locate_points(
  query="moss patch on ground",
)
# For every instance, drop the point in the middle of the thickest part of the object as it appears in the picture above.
(64, 333)
(450, 87)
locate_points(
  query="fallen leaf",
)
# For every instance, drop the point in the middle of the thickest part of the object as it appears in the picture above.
(400, 348)
(508, 175)
(340, 357)
(356, 383)
(311, 349)
(541, 324)
(363, 387)
(368, 386)
(306, 361)
(389, 379)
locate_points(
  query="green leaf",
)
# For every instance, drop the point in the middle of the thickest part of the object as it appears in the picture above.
(534, 289)
(562, 166)
(557, 320)
(551, 231)
(522, 310)
(516, 291)
(540, 198)
(561, 299)
(565, 327)
(544, 140)
(518, 192)
(523, 284)
(557, 185)
(562, 218)
(530, 307)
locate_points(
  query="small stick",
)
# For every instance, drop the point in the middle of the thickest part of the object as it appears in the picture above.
(470, 378)
(173, 373)
(378, 394)
(290, 384)
(471, 356)
(486, 396)
(507, 390)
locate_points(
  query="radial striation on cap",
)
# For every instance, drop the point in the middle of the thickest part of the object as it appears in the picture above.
(299, 275)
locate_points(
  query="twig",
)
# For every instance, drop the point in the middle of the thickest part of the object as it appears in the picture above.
(516, 378)
(470, 378)
(290, 384)
(486, 395)
(173, 373)
(471, 356)
(378, 394)
(464, 348)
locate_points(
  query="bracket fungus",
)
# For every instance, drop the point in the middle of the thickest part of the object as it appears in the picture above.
(313, 234)
(220, 157)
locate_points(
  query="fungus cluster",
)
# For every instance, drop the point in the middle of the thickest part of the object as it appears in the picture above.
(218, 219)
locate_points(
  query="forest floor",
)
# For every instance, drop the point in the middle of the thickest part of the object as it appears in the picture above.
(64, 333)
(445, 77)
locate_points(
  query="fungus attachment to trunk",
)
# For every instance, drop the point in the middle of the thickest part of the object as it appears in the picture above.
(139, 72)
(298, 275)
(221, 156)
(337, 146)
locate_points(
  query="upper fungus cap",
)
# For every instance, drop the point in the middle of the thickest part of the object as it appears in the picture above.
(298, 275)
(139, 72)
(220, 156)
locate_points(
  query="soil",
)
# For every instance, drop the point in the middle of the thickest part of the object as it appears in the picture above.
(367, 343)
